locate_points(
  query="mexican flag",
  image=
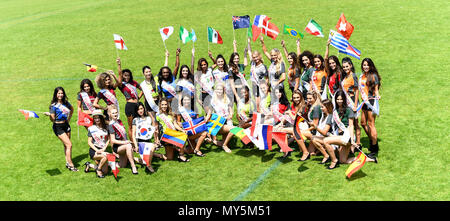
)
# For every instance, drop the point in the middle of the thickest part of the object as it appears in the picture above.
(214, 36)
(185, 36)
(314, 28)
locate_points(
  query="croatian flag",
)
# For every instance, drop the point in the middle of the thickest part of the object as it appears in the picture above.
(112, 164)
(144, 152)
(341, 43)
(28, 114)
(118, 41)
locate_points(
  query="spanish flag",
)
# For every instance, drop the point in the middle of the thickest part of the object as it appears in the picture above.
(174, 137)
(356, 165)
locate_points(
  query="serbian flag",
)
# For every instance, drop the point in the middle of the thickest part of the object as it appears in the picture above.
(174, 137)
(356, 165)
(112, 164)
(84, 119)
(344, 27)
(314, 28)
(297, 132)
(91, 68)
(166, 32)
(239, 132)
(144, 152)
(195, 126)
(280, 138)
(118, 41)
(215, 123)
(265, 137)
(28, 114)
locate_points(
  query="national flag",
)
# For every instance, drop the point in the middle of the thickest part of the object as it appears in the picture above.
(185, 36)
(91, 67)
(356, 165)
(241, 22)
(239, 132)
(249, 32)
(256, 118)
(166, 32)
(195, 126)
(112, 164)
(291, 31)
(297, 131)
(118, 41)
(28, 114)
(267, 28)
(214, 36)
(341, 43)
(265, 137)
(144, 152)
(84, 119)
(344, 27)
(174, 137)
(193, 36)
(314, 28)
(280, 138)
(215, 123)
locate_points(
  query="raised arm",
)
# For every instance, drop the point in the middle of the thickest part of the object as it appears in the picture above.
(210, 55)
(249, 49)
(119, 69)
(177, 63)
(327, 50)
(264, 48)
(166, 62)
(299, 51)
(193, 60)
(234, 46)
(283, 44)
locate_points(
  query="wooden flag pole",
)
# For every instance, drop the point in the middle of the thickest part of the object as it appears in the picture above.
(232, 24)
(207, 36)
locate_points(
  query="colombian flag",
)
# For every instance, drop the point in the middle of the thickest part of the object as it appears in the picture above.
(239, 132)
(28, 114)
(356, 165)
(174, 137)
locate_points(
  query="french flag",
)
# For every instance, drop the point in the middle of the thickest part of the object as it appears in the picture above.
(28, 114)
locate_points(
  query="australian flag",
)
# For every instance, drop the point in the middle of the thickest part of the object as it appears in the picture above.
(241, 22)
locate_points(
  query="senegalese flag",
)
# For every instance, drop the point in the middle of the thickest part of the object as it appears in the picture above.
(356, 165)
(91, 67)
(215, 123)
(291, 31)
(174, 137)
(239, 132)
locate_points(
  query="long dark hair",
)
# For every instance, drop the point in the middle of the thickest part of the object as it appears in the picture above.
(88, 82)
(372, 71)
(225, 66)
(137, 108)
(190, 76)
(338, 71)
(199, 64)
(160, 77)
(347, 60)
(310, 57)
(102, 121)
(295, 64)
(152, 79)
(283, 99)
(322, 64)
(232, 65)
(341, 110)
(328, 105)
(55, 97)
(131, 74)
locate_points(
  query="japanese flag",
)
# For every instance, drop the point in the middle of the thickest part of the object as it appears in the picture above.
(118, 41)
(166, 32)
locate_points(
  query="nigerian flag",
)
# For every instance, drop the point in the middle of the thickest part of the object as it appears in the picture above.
(185, 36)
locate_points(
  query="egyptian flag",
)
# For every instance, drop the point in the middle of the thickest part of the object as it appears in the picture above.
(239, 132)
(356, 165)
(215, 123)
(28, 114)
(265, 137)
(280, 138)
(112, 164)
(297, 132)
(84, 119)
(174, 137)
(195, 126)
(91, 68)
(344, 27)
(144, 152)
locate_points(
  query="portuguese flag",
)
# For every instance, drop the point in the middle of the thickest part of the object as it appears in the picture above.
(314, 28)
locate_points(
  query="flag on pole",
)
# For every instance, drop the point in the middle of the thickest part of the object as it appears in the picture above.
(344, 27)
(84, 119)
(166, 32)
(241, 22)
(193, 36)
(214, 36)
(314, 28)
(118, 41)
(341, 43)
(250, 32)
(28, 114)
(91, 67)
(112, 164)
(194, 126)
(239, 132)
(291, 31)
(266, 27)
(356, 165)
(185, 36)
(280, 138)
(174, 137)
(215, 123)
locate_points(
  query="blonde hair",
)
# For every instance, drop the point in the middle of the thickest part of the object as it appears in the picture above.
(225, 97)
(279, 59)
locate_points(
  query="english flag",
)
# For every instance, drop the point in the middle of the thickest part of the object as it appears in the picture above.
(166, 32)
(28, 114)
(118, 41)
(344, 27)
(112, 164)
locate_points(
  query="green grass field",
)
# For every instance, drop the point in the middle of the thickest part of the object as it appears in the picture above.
(44, 44)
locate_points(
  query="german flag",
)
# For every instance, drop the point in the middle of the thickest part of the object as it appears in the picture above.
(297, 132)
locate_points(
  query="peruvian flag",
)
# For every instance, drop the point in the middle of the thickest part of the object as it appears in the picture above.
(314, 28)
(261, 24)
(118, 41)
(344, 27)
(112, 164)
(166, 32)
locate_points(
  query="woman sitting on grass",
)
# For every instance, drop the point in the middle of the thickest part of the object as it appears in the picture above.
(98, 140)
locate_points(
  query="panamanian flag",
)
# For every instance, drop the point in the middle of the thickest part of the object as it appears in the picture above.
(28, 114)
(144, 152)
(197, 125)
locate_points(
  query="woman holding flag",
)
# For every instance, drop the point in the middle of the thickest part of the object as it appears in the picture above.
(98, 141)
(60, 114)
(166, 79)
(107, 91)
(86, 97)
(258, 72)
(150, 91)
(319, 77)
(334, 71)
(277, 68)
(369, 84)
(305, 60)
(293, 70)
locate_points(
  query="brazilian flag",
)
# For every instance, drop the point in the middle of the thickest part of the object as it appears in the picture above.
(292, 32)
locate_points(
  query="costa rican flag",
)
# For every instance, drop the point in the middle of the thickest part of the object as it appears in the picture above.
(118, 41)
(28, 114)
(341, 43)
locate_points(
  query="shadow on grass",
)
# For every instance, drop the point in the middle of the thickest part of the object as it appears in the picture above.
(53, 172)
(77, 159)
(359, 174)
(302, 168)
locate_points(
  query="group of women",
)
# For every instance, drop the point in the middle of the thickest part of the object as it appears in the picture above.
(325, 94)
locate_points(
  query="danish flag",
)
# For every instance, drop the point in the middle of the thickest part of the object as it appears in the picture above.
(267, 28)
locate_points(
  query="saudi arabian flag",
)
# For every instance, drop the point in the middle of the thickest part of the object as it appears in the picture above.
(214, 36)
(314, 28)
(185, 36)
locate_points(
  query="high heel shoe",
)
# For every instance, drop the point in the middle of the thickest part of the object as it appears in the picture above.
(309, 155)
(86, 167)
(336, 165)
(71, 168)
(326, 161)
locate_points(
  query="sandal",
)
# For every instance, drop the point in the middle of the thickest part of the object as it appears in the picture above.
(99, 176)
(226, 149)
(87, 167)
(71, 168)
(198, 153)
(181, 160)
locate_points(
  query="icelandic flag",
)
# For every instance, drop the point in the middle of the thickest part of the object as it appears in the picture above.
(28, 114)
(120, 44)
(241, 22)
(341, 43)
(144, 152)
(215, 123)
(112, 164)
(197, 125)
(174, 137)
(265, 137)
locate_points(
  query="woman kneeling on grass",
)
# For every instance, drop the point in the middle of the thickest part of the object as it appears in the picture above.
(144, 127)
(98, 141)
(343, 118)
(120, 143)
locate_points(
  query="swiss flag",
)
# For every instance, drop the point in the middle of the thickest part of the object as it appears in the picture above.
(344, 27)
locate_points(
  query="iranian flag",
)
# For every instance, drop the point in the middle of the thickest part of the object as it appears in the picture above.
(314, 28)
(185, 36)
(214, 36)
